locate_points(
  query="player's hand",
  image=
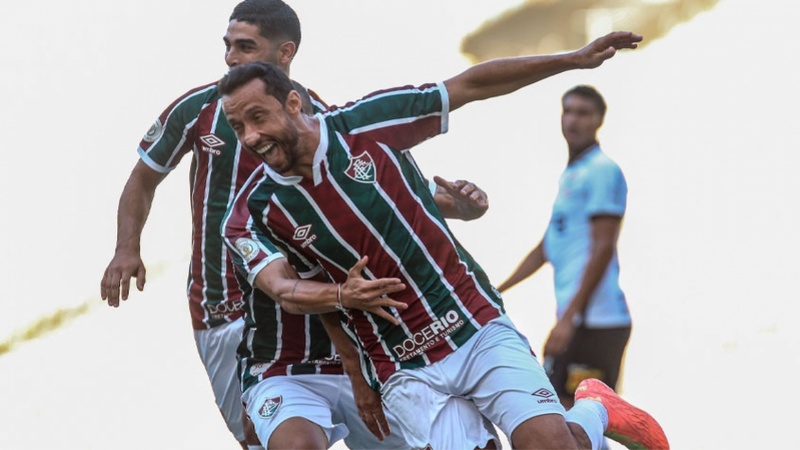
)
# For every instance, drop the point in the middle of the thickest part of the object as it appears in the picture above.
(469, 201)
(370, 408)
(605, 47)
(117, 277)
(371, 295)
(559, 338)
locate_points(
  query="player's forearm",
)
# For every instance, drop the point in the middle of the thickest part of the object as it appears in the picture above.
(504, 76)
(532, 263)
(134, 208)
(294, 295)
(134, 205)
(344, 346)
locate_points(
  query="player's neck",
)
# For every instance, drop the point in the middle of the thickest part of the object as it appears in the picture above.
(308, 142)
(577, 152)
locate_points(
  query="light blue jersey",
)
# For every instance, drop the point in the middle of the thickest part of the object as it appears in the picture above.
(591, 186)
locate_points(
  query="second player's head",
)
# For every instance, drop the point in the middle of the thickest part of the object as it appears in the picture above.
(582, 116)
(262, 30)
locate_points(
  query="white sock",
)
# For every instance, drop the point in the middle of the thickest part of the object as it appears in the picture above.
(592, 417)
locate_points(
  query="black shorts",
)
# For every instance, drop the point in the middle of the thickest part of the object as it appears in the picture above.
(592, 353)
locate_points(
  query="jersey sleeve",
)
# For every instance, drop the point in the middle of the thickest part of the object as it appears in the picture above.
(317, 102)
(400, 117)
(607, 191)
(168, 139)
(248, 246)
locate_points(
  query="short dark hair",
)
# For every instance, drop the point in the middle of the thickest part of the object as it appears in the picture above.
(275, 20)
(590, 93)
(276, 83)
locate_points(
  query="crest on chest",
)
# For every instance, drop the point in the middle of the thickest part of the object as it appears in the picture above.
(361, 168)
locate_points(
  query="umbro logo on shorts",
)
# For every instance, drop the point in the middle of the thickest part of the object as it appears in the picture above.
(546, 396)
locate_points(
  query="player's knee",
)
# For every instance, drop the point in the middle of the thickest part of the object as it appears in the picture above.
(546, 431)
(298, 433)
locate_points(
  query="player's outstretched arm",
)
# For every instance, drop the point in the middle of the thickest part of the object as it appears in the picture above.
(505, 75)
(460, 199)
(280, 282)
(134, 206)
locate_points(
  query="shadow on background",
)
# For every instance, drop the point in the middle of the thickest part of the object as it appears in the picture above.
(552, 26)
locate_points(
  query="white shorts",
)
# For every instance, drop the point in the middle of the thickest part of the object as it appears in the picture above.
(326, 400)
(495, 370)
(217, 349)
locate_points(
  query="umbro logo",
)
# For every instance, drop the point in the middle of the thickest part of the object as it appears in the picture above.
(210, 144)
(546, 396)
(303, 233)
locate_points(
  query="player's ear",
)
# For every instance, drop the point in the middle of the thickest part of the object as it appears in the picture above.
(286, 52)
(294, 103)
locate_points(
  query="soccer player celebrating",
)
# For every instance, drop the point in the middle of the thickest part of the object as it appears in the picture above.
(341, 185)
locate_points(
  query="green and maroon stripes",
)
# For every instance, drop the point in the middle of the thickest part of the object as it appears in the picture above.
(386, 212)
(195, 123)
(278, 343)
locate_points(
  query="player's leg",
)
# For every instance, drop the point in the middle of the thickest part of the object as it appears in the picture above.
(295, 411)
(498, 372)
(298, 432)
(624, 422)
(217, 350)
(429, 416)
(592, 353)
(250, 437)
(512, 390)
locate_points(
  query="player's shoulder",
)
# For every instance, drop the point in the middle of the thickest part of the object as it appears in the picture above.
(600, 160)
(196, 97)
(202, 90)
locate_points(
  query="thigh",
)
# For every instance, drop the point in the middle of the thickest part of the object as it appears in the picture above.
(461, 425)
(217, 350)
(359, 436)
(414, 403)
(428, 416)
(505, 380)
(306, 399)
(297, 432)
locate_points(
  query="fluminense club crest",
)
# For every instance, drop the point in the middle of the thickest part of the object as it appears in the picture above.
(361, 168)
(270, 406)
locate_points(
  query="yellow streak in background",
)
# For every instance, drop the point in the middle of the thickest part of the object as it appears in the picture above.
(46, 324)
(61, 317)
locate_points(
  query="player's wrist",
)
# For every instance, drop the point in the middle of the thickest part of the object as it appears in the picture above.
(339, 301)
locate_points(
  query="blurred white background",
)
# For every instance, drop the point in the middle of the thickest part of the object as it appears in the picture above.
(703, 121)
